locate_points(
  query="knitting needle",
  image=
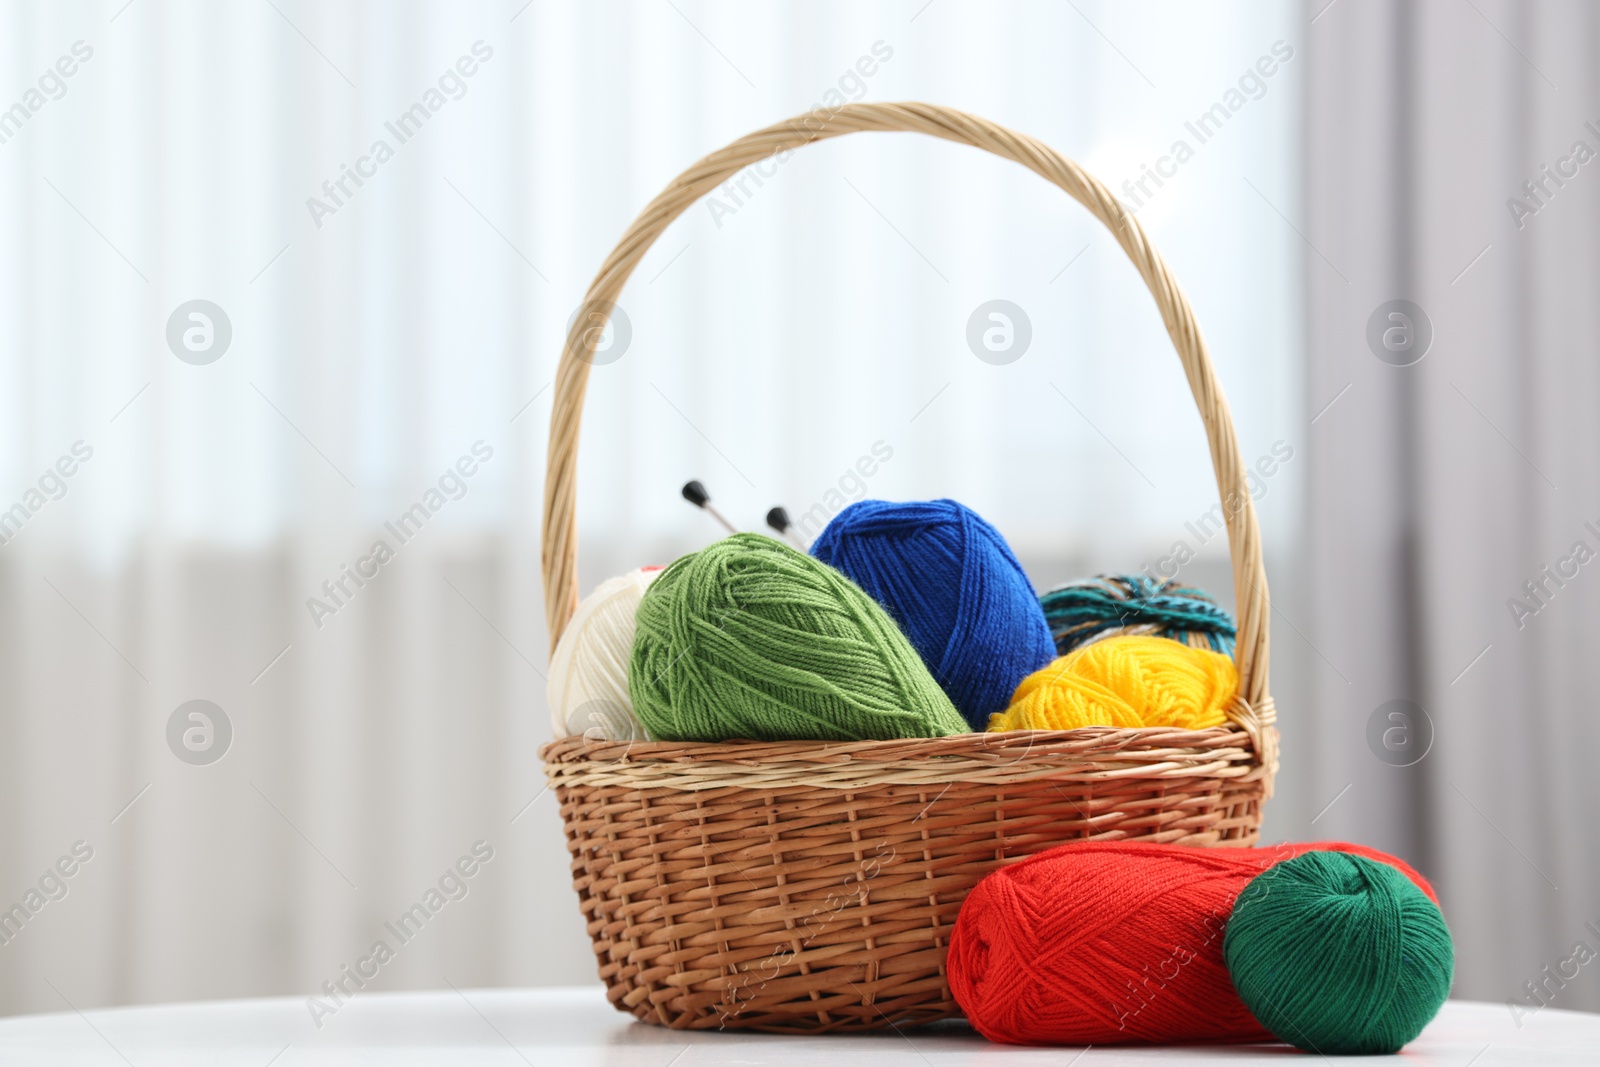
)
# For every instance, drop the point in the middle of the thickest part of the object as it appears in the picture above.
(778, 519)
(696, 494)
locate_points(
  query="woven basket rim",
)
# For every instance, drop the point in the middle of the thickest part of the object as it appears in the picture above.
(1000, 746)
(1086, 755)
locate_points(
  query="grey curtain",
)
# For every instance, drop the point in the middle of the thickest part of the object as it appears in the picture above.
(1452, 481)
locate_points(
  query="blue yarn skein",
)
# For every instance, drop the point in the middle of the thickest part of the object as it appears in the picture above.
(951, 582)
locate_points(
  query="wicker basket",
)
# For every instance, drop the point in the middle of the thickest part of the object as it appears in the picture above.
(803, 886)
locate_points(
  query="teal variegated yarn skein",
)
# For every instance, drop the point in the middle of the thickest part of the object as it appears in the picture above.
(1339, 954)
(1085, 611)
(748, 638)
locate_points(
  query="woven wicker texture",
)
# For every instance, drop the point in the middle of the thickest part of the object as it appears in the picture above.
(804, 886)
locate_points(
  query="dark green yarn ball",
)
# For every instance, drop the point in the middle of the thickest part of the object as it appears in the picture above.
(1338, 954)
(748, 638)
(1089, 609)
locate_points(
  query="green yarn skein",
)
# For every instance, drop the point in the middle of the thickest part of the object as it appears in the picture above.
(1339, 954)
(748, 638)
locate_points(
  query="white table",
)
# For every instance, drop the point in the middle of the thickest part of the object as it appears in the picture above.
(575, 1028)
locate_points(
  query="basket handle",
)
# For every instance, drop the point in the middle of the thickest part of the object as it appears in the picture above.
(559, 552)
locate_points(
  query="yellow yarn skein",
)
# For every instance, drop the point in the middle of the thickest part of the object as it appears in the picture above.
(1126, 682)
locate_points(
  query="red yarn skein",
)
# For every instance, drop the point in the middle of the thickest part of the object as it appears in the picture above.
(1109, 942)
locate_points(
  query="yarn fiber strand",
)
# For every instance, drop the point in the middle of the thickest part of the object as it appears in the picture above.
(748, 638)
(1089, 610)
(1112, 942)
(1339, 954)
(952, 583)
(1125, 682)
(588, 683)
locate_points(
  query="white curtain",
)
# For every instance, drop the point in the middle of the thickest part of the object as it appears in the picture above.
(1446, 491)
(387, 327)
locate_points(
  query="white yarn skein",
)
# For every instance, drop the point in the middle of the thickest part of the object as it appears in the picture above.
(588, 686)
